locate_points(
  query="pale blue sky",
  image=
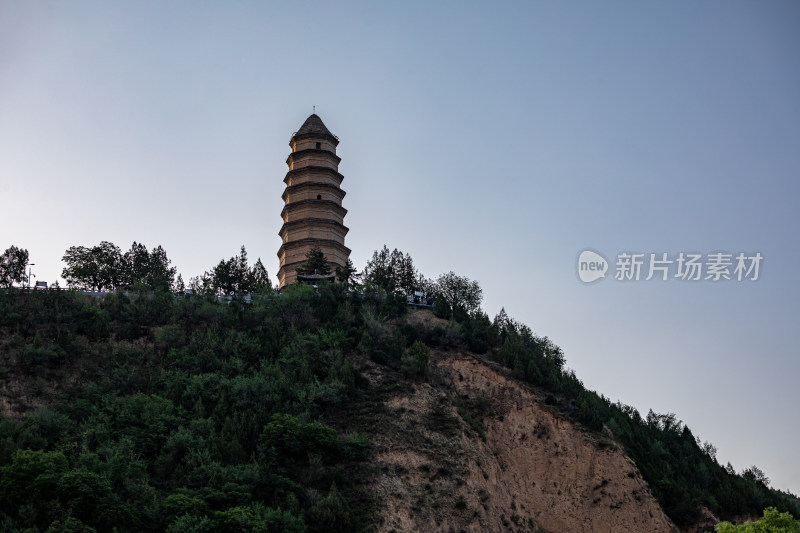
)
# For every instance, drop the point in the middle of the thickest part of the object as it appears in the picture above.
(494, 140)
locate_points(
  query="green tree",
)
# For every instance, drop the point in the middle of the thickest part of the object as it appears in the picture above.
(292, 436)
(459, 292)
(392, 271)
(378, 271)
(755, 475)
(203, 284)
(426, 285)
(189, 523)
(771, 522)
(176, 505)
(228, 277)
(161, 276)
(13, 263)
(99, 267)
(148, 269)
(88, 496)
(69, 525)
(238, 520)
(180, 286)
(415, 359)
(404, 272)
(315, 263)
(223, 277)
(32, 476)
(332, 513)
(346, 274)
(259, 278)
(137, 265)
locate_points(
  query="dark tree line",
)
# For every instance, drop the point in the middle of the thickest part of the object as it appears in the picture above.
(233, 276)
(394, 272)
(105, 267)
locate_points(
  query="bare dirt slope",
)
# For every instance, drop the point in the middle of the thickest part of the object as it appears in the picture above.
(474, 450)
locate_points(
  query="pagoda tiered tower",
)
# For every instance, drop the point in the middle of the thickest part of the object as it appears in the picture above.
(313, 214)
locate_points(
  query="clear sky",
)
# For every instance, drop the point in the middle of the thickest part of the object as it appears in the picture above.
(498, 140)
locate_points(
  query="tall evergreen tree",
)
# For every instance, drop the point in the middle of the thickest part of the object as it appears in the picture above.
(137, 265)
(315, 263)
(378, 271)
(392, 271)
(259, 278)
(347, 274)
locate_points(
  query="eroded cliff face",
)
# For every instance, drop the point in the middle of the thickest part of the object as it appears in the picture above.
(474, 450)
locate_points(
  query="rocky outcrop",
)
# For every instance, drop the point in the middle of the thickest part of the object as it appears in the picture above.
(475, 450)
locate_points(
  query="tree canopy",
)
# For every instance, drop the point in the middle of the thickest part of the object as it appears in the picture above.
(459, 292)
(315, 263)
(394, 272)
(771, 522)
(347, 275)
(150, 270)
(104, 266)
(233, 276)
(96, 268)
(189, 414)
(13, 263)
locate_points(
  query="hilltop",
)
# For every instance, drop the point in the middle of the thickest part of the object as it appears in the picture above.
(327, 410)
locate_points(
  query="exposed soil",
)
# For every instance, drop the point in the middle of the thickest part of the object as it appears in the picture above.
(472, 449)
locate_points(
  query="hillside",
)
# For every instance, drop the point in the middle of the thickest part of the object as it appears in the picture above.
(477, 451)
(325, 411)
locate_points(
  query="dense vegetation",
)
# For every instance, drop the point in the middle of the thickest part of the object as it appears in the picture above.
(180, 415)
(148, 411)
(771, 522)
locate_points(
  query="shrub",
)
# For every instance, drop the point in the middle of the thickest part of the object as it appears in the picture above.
(415, 360)
(331, 513)
(461, 503)
(69, 525)
(441, 308)
(93, 322)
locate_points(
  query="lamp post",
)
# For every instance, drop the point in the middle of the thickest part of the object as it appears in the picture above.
(29, 273)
